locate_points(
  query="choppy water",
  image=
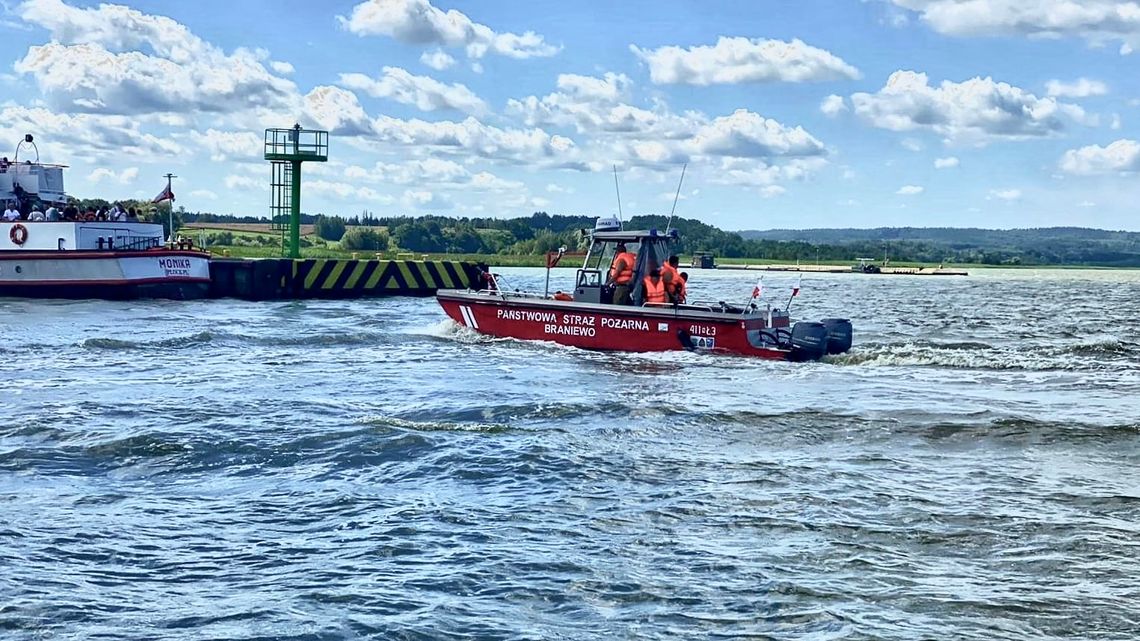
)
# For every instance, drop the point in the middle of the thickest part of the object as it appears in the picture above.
(366, 469)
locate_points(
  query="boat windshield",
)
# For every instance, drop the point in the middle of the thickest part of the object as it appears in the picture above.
(652, 254)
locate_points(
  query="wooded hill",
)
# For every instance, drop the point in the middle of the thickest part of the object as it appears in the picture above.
(1035, 246)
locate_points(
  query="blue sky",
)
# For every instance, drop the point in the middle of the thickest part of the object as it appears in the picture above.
(991, 113)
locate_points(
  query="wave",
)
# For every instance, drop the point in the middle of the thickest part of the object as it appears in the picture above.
(206, 337)
(451, 330)
(1084, 356)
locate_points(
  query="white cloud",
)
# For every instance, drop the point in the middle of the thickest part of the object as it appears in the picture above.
(771, 191)
(1086, 204)
(123, 177)
(1005, 194)
(231, 145)
(596, 104)
(751, 172)
(976, 110)
(911, 144)
(245, 183)
(1120, 156)
(337, 110)
(204, 194)
(1080, 88)
(946, 163)
(833, 105)
(1097, 21)
(743, 60)
(749, 135)
(559, 189)
(539, 202)
(85, 135)
(418, 22)
(427, 94)
(426, 200)
(346, 191)
(1115, 124)
(282, 67)
(1125, 49)
(910, 190)
(97, 62)
(437, 59)
(473, 137)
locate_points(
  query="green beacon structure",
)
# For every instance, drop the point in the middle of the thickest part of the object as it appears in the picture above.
(286, 149)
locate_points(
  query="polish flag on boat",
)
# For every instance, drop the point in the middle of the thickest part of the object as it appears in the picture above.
(165, 195)
(759, 288)
(796, 289)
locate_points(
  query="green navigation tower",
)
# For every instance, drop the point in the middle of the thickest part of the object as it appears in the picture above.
(286, 149)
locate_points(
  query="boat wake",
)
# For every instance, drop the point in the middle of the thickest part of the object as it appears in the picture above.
(1089, 355)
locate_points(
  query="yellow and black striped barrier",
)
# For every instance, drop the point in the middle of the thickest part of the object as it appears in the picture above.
(341, 278)
(267, 279)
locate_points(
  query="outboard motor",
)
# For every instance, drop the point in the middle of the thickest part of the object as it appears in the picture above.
(809, 341)
(839, 333)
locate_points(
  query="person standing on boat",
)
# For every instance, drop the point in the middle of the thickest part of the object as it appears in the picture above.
(671, 277)
(621, 274)
(11, 213)
(654, 288)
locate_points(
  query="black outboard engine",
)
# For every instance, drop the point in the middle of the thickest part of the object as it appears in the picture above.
(809, 341)
(839, 333)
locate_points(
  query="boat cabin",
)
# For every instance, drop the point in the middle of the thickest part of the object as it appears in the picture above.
(703, 260)
(651, 247)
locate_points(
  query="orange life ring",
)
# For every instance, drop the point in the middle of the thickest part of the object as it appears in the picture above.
(18, 234)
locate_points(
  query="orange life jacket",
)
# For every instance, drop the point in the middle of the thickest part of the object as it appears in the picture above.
(671, 281)
(624, 276)
(682, 290)
(654, 292)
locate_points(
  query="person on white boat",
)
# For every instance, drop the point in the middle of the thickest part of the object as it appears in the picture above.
(132, 215)
(52, 214)
(37, 216)
(11, 213)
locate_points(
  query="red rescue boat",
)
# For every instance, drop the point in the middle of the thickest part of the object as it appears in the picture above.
(589, 318)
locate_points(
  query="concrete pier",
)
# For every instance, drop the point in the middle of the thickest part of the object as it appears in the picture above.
(283, 278)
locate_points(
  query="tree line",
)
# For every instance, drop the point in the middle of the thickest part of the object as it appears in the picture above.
(542, 232)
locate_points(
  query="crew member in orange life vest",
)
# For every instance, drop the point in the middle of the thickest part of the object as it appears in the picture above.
(670, 276)
(682, 288)
(654, 287)
(621, 274)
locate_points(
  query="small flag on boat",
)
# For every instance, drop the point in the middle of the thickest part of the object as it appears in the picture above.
(796, 289)
(165, 195)
(759, 288)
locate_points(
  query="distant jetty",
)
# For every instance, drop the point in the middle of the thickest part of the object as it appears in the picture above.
(841, 269)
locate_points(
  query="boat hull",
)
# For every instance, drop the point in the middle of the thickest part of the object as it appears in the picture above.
(611, 327)
(181, 275)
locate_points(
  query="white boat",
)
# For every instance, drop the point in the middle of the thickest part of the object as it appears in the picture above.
(86, 259)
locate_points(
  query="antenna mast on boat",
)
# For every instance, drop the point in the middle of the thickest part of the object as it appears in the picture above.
(618, 190)
(675, 198)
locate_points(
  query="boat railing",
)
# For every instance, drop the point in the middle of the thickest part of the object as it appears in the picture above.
(137, 243)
